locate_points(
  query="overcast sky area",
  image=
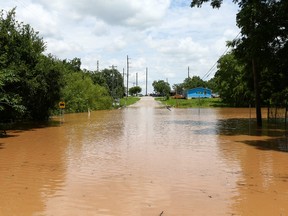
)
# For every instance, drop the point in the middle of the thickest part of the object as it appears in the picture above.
(165, 36)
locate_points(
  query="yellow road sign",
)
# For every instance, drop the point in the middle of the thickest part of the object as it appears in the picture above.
(62, 105)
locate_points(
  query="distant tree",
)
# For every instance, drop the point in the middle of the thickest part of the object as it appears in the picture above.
(99, 78)
(178, 88)
(73, 65)
(81, 94)
(161, 87)
(135, 90)
(211, 84)
(193, 82)
(113, 82)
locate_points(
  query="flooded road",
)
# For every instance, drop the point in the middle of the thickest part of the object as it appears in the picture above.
(145, 160)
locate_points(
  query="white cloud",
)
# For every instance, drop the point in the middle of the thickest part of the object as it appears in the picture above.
(166, 36)
(114, 12)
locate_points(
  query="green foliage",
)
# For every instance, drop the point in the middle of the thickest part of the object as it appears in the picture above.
(9, 100)
(73, 65)
(161, 87)
(232, 81)
(135, 90)
(193, 82)
(178, 88)
(262, 49)
(211, 84)
(214, 3)
(21, 51)
(112, 80)
(81, 94)
(32, 84)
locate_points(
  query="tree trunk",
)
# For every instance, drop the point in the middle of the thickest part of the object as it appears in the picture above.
(257, 95)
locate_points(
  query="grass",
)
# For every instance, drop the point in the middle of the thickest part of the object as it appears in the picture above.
(128, 101)
(190, 103)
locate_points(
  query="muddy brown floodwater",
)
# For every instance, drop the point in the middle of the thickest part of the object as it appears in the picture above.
(145, 160)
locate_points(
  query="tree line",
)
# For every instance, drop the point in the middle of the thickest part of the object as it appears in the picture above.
(163, 88)
(32, 83)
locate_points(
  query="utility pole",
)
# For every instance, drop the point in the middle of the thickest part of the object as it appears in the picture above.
(123, 76)
(127, 77)
(137, 79)
(97, 65)
(113, 67)
(146, 80)
(188, 72)
(113, 87)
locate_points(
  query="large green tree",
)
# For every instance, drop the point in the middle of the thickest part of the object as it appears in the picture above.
(193, 82)
(231, 81)
(112, 80)
(81, 94)
(43, 87)
(161, 87)
(263, 43)
(31, 83)
(135, 90)
(178, 88)
(29, 79)
(8, 99)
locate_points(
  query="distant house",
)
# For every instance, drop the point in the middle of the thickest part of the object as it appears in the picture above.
(198, 92)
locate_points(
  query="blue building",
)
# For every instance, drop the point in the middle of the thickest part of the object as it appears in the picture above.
(198, 92)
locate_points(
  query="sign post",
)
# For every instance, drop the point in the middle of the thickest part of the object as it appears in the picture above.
(62, 107)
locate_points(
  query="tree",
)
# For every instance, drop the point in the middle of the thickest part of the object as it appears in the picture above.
(231, 81)
(135, 90)
(27, 72)
(43, 88)
(263, 42)
(81, 94)
(112, 80)
(214, 3)
(178, 88)
(161, 87)
(73, 65)
(211, 84)
(31, 83)
(9, 100)
(193, 82)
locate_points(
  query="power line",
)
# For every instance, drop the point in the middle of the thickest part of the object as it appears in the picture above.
(208, 73)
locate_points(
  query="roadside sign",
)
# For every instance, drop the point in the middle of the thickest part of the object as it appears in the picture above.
(62, 105)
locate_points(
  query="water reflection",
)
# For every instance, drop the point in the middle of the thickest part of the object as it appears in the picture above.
(273, 137)
(31, 167)
(145, 160)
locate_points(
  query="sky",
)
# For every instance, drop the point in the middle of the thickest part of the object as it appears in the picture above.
(165, 36)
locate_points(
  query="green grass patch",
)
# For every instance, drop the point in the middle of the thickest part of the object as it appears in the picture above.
(190, 103)
(128, 101)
